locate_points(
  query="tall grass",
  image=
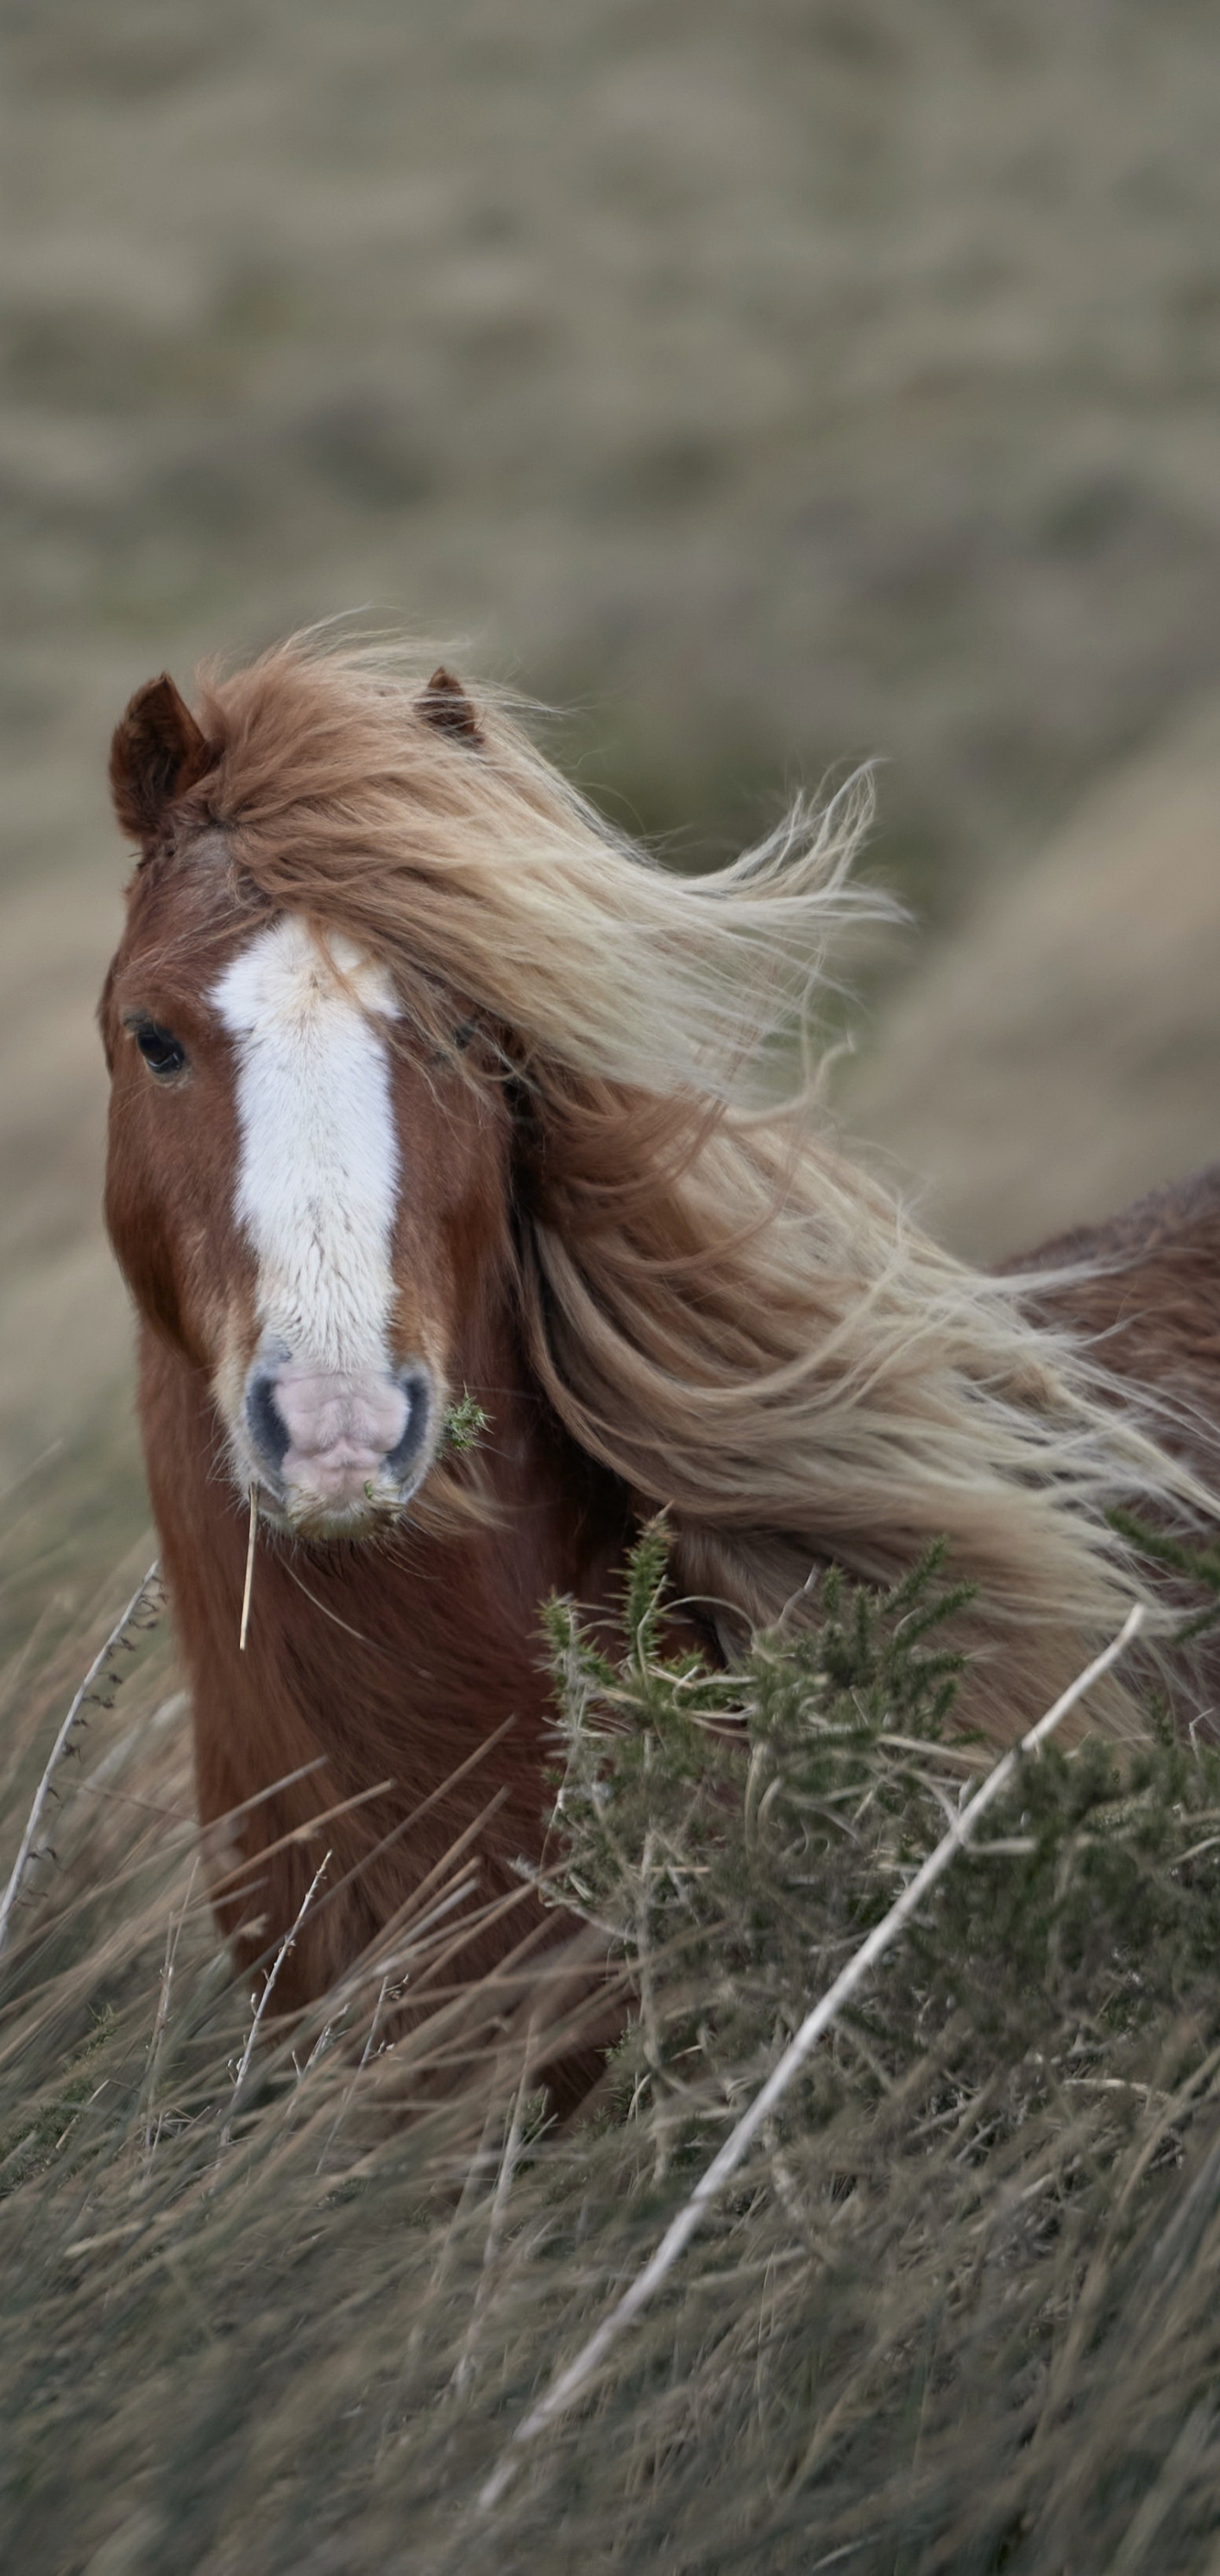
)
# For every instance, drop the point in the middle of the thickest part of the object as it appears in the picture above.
(283, 2307)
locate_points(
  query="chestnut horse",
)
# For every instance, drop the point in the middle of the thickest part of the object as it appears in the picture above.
(427, 1087)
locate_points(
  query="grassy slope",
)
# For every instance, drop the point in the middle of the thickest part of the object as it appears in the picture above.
(958, 2312)
(784, 390)
(1058, 1052)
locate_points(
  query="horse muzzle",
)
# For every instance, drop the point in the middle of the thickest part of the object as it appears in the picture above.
(337, 1452)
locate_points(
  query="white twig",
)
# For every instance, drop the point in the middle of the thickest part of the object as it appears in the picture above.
(365, 2054)
(464, 2369)
(141, 1598)
(172, 1937)
(570, 2382)
(265, 1997)
(249, 1586)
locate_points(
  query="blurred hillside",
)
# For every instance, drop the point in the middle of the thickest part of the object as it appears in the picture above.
(770, 385)
(764, 387)
(1059, 1052)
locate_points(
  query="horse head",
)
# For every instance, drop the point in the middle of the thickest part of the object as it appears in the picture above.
(424, 1081)
(308, 1199)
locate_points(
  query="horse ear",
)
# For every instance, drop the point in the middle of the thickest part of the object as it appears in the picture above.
(444, 703)
(157, 752)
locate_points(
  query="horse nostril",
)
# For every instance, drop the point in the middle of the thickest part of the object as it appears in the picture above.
(416, 1386)
(268, 1429)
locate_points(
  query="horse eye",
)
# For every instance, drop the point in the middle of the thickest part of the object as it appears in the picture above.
(161, 1052)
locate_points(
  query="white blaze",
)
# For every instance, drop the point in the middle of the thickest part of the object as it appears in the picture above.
(318, 1179)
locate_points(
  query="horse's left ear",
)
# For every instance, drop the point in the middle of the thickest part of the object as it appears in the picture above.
(444, 703)
(157, 752)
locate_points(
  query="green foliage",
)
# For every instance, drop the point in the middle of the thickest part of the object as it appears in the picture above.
(465, 1423)
(738, 1835)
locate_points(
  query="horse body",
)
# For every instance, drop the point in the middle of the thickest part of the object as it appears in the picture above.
(1144, 1286)
(423, 1090)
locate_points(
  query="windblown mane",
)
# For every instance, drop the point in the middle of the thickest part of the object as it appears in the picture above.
(731, 1317)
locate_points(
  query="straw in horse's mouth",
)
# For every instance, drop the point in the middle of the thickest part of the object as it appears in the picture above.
(307, 1515)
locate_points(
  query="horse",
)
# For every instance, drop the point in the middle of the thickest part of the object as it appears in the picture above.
(435, 1100)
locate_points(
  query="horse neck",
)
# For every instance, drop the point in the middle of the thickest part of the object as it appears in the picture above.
(391, 1661)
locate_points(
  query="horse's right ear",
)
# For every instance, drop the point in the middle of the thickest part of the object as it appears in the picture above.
(158, 752)
(444, 703)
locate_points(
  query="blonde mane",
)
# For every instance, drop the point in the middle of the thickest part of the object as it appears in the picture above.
(734, 1319)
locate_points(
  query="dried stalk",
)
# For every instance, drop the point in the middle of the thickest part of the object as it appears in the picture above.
(249, 1583)
(464, 2367)
(286, 1945)
(144, 1597)
(172, 1937)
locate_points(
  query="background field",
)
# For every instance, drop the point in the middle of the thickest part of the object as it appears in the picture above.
(764, 387)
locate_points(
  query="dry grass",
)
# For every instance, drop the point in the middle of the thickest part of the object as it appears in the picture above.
(282, 2308)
